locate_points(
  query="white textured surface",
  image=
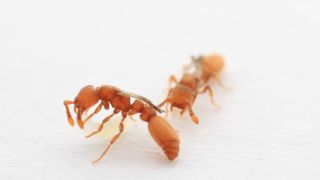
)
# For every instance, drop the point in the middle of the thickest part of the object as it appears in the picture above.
(269, 127)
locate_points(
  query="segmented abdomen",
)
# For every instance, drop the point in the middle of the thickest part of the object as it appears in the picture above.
(171, 148)
(165, 136)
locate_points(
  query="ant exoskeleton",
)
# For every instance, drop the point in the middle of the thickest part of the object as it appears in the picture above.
(184, 94)
(161, 131)
(208, 67)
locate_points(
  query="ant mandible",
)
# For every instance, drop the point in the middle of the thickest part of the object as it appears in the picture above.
(185, 92)
(161, 131)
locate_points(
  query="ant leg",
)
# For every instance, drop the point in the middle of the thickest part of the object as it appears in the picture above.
(79, 118)
(182, 112)
(172, 79)
(167, 111)
(101, 125)
(163, 103)
(208, 89)
(70, 119)
(132, 113)
(220, 83)
(166, 100)
(171, 108)
(105, 104)
(192, 115)
(96, 111)
(132, 119)
(113, 140)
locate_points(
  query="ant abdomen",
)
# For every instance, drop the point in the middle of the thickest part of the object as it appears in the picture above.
(165, 136)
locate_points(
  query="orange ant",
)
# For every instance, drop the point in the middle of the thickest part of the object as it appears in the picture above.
(183, 95)
(161, 131)
(208, 67)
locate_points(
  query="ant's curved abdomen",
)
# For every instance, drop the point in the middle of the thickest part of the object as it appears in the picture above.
(165, 136)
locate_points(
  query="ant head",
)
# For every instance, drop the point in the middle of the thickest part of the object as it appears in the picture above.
(214, 62)
(87, 97)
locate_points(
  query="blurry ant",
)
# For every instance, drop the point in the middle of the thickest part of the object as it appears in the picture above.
(161, 131)
(208, 67)
(183, 95)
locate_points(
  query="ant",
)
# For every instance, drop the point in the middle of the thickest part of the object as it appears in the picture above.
(161, 131)
(208, 67)
(185, 92)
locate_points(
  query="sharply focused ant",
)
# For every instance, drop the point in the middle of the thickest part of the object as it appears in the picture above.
(161, 131)
(185, 92)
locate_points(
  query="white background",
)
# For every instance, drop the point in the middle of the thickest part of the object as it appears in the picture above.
(269, 125)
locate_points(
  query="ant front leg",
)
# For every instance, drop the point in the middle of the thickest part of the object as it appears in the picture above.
(113, 140)
(96, 111)
(75, 109)
(220, 83)
(70, 119)
(166, 100)
(166, 103)
(107, 119)
(79, 118)
(163, 103)
(106, 105)
(208, 89)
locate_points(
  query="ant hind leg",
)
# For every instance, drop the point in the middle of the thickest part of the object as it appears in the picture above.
(194, 118)
(208, 89)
